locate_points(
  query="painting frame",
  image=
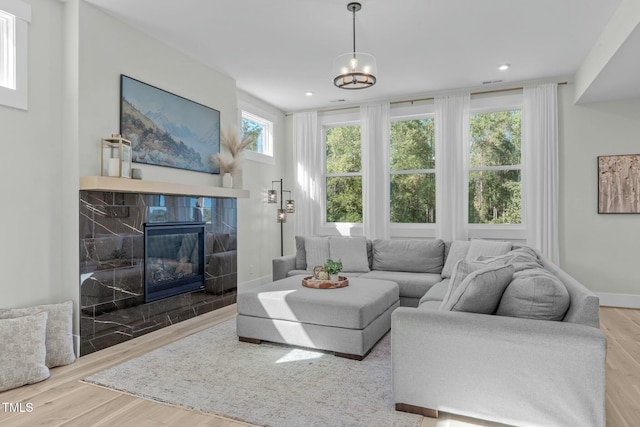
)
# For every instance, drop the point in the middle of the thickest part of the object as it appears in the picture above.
(619, 184)
(168, 130)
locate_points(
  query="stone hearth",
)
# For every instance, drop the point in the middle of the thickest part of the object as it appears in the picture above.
(112, 263)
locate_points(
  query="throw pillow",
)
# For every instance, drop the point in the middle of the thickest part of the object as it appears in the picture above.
(301, 254)
(481, 291)
(535, 294)
(317, 251)
(457, 251)
(23, 351)
(417, 256)
(463, 268)
(352, 251)
(487, 248)
(59, 341)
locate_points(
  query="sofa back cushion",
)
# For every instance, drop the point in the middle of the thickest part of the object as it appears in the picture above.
(317, 251)
(457, 251)
(535, 294)
(352, 251)
(418, 256)
(301, 254)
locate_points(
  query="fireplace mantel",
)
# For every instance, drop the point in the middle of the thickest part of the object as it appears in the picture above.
(125, 185)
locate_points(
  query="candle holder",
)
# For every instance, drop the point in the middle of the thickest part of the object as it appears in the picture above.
(116, 156)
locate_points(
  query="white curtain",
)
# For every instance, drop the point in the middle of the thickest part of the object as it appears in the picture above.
(452, 176)
(540, 159)
(374, 132)
(307, 168)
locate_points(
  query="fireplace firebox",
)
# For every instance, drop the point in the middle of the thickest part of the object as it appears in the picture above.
(173, 259)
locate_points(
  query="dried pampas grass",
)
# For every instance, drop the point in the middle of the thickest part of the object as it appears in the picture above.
(230, 161)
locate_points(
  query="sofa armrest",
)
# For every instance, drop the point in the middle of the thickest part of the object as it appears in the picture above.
(282, 265)
(509, 370)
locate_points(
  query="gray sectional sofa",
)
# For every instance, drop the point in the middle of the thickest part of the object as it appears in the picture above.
(486, 329)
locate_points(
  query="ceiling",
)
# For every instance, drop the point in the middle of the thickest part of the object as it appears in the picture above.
(277, 50)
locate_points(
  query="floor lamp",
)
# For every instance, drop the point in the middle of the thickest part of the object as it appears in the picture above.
(285, 208)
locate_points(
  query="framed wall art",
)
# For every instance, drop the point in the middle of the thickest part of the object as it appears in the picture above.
(619, 184)
(167, 129)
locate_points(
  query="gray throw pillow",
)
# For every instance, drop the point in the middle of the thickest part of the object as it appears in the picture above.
(481, 291)
(463, 268)
(301, 254)
(352, 251)
(23, 351)
(535, 294)
(487, 248)
(418, 256)
(59, 342)
(457, 252)
(317, 251)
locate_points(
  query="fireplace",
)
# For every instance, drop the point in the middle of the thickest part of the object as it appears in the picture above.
(173, 259)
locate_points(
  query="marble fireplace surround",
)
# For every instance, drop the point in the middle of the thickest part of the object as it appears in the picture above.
(113, 212)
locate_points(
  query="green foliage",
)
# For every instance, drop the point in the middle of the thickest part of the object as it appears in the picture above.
(333, 267)
(413, 196)
(495, 196)
(344, 193)
(255, 131)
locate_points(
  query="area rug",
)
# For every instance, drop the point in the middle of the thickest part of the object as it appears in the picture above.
(264, 385)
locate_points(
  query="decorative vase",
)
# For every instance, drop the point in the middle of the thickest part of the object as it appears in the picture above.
(227, 180)
(335, 278)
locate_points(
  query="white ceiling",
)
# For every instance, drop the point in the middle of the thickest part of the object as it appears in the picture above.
(277, 50)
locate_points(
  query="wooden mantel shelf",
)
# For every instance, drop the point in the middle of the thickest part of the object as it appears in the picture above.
(125, 185)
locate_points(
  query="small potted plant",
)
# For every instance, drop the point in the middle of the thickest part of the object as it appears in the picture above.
(333, 268)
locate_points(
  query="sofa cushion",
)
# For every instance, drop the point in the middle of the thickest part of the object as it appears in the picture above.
(418, 256)
(412, 285)
(23, 351)
(436, 292)
(490, 248)
(352, 251)
(522, 258)
(463, 268)
(317, 251)
(481, 291)
(59, 338)
(457, 252)
(301, 254)
(535, 294)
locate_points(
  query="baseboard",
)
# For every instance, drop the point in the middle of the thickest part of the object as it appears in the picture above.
(252, 283)
(618, 300)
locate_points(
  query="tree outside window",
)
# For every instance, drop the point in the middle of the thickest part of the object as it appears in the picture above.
(343, 177)
(412, 171)
(495, 195)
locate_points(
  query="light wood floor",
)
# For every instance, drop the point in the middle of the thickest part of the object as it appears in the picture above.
(63, 400)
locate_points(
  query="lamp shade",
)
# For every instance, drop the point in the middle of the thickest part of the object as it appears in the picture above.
(272, 196)
(282, 216)
(354, 70)
(290, 206)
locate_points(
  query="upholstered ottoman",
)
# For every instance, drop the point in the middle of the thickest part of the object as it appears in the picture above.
(348, 321)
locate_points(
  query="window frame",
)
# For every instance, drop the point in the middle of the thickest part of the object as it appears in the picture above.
(257, 115)
(489, 104)
(326, 122)
(15, 93)
(417, 111)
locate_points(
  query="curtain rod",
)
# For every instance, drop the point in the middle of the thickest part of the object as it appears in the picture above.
(431, 98)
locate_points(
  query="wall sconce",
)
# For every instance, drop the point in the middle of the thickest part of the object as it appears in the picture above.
(281, 214)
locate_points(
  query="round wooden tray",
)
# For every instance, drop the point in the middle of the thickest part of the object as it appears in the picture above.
(310, 282)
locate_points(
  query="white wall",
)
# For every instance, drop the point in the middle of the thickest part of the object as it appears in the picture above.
(601, 251)
(31, 165)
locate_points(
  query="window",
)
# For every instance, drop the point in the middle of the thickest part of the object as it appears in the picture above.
(343, 174)
(261, 132)
(412, 171)
(14, 16)
(495, 195)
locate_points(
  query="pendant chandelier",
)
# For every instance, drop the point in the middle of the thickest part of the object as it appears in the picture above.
(354, 70)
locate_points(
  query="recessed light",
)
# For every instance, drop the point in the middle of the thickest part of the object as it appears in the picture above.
(504, 67)
(309, 93)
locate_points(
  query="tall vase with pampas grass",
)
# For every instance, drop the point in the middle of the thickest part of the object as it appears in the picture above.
(229, 161)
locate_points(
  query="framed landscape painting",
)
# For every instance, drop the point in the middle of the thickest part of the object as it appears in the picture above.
(167, 129)
(619, 184)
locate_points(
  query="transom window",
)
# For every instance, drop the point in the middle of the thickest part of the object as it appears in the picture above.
(14, 18)
(412, 164)
(261, 132)
(495, 163)
(7, 50)
(343, 176)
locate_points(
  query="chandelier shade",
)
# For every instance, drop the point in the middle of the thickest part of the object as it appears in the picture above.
(354, 70)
